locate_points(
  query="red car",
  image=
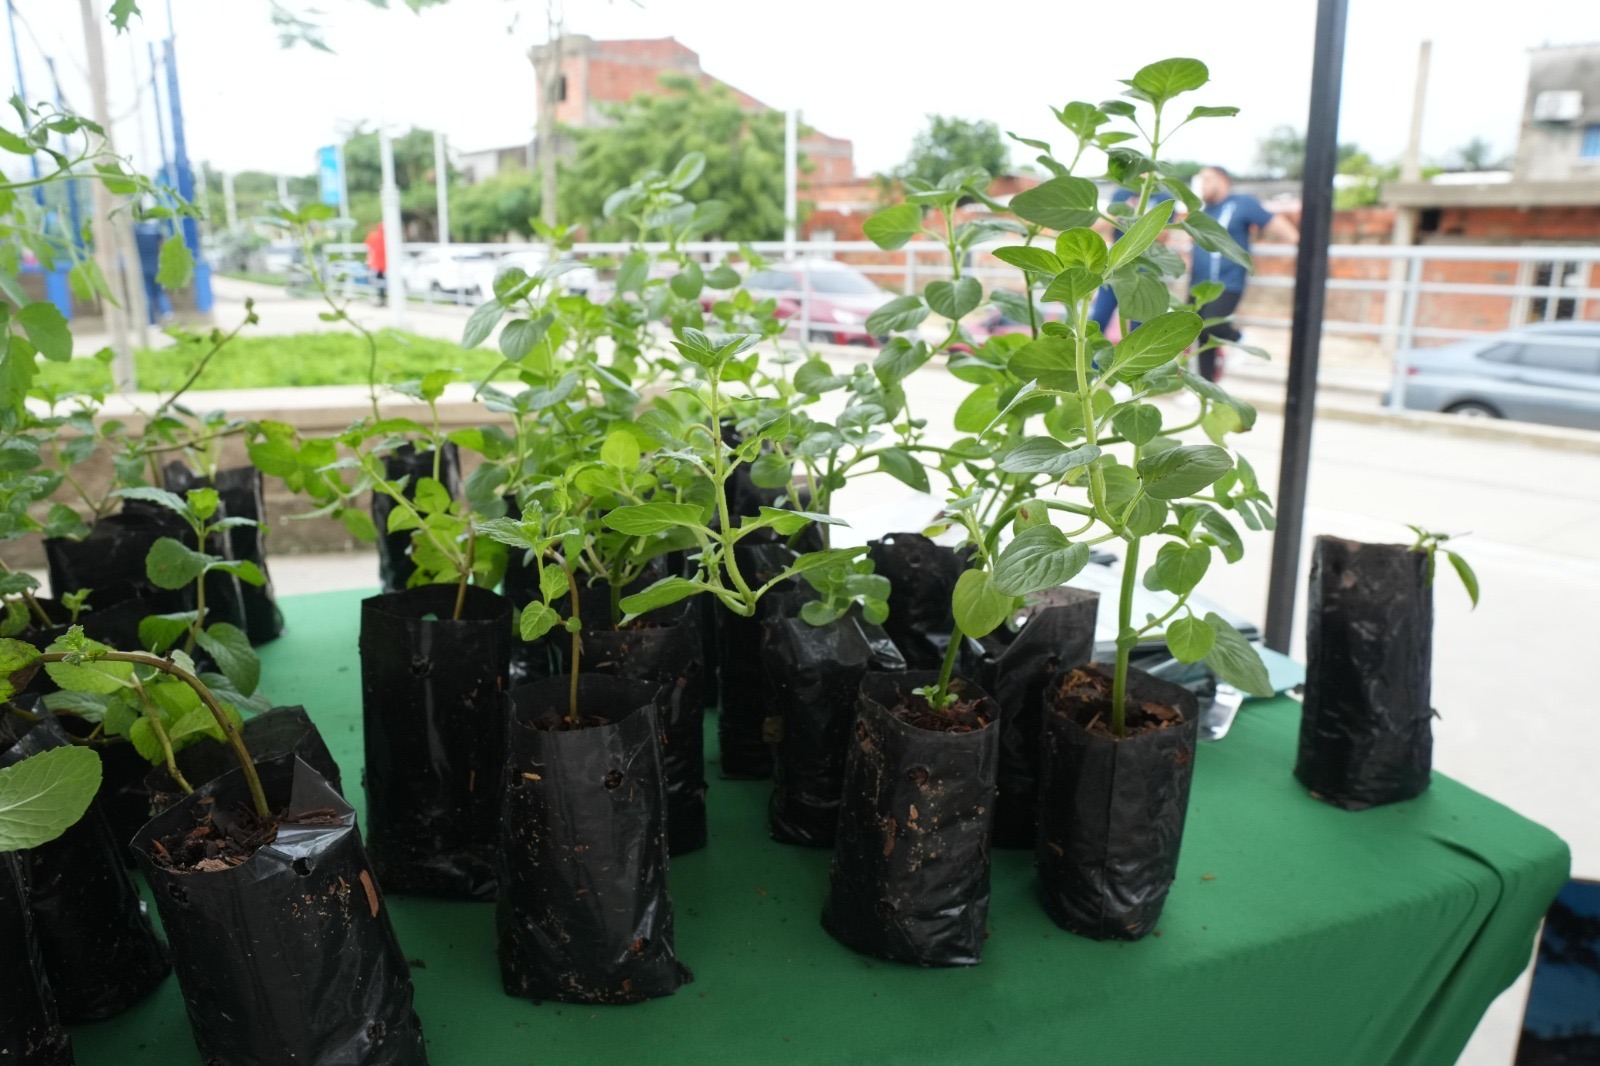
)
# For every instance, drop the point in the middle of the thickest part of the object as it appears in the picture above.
(841, 298)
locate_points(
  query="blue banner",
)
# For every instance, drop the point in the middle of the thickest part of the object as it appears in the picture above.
(328, 177)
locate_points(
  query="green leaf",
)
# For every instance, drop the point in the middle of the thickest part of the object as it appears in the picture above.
(1182, 471)
(482, 323)
(1122, 484)
(174, 266)
(202, 503)
(901, 313)
(103, 677)
(899, 359)
(243, 569)
(687, 283)
(1235, 660)
(1138, 424)
(817, 613)
(1142, 234)
(521, 336)
(771, 470)
(663, 593)
(978, 606)
(789, 523)
(892, 227)
(1046, 455)
(431, 497)
(687, 171)
(1212, 112)
(237, 660)
(815, 377)
(121, 12)
(1189, 639)
(1464, 572)
(954, 299)
(170, 500)
(1072, 286)
(1178, 568)
(639, 519)
(903, 466)
(158, 632)
(15, 657)
(172, 564)
(358, 523)
(1163, 80)
(633, 273)
(1209, 234)
(620, 450)
(552, 581)
(1059, 204)
(1083, 248)
(47, 328)
(1037, 260)
(44, 795)
(978, 411)
(1154, 343)
(1038, 558)
(1051, 361)
(537, 620)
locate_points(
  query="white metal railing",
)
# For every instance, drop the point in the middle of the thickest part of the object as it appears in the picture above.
(1395, 319)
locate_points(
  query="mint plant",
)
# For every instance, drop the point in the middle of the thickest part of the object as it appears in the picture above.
(45, 794)
(1432, 544)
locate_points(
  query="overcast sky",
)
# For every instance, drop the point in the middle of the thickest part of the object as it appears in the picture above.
(869, 70)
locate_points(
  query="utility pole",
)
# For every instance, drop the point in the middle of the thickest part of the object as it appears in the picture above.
(441, 183)
(549, 96)
(791, 153)
(283, 190)
(230, 202)
(344, 184)
(394, 248)
(113, 248)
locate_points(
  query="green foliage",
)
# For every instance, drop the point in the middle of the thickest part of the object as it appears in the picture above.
(44, 795)
(501, 205)
(950, 144)
(842, 584)
(1432, 544)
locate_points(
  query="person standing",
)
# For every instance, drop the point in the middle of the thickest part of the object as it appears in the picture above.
(378, 262)
(1240, 214)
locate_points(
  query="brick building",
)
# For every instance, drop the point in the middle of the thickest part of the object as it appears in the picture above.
(596, 75)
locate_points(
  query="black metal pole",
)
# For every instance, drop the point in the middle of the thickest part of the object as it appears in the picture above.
(1305, 339)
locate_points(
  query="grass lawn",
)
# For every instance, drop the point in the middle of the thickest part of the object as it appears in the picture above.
(267, 362)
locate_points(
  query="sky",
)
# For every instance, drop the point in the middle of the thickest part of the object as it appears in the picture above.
(869, 70)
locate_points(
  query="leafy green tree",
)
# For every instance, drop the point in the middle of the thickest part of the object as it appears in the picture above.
(502, 205)
(1282, 154)
(1479, 154)
(743, 159)
(950, 144)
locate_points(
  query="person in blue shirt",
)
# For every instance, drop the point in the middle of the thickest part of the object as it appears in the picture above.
(1240, 214)
(1105, 301)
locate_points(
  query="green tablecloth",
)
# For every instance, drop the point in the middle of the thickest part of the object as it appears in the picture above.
(1295, 933)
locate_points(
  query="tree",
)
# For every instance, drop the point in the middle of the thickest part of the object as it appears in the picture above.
(743, 150)
(1479, 154)
(499, 206)
(950, 143)
(1282, 154)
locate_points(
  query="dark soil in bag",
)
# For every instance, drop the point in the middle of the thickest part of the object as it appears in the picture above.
(922, 575)
(99, 951)
(280, 937)
(280, 731)
(1111, 811)
(430, 695)
(813, 678)
(1015, 667)
(662, 648)
(583, 912)
(1366, 733)
(30, 1031)
(111, 559)
(240, 488)
(741, 682)
(909, 879)
(394, 549)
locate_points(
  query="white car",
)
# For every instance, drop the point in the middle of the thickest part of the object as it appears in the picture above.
(576, 278)
(446, 270)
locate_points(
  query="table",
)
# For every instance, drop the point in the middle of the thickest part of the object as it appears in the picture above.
(1296, 932)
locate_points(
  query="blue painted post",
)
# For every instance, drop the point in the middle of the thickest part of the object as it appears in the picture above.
(185, 176)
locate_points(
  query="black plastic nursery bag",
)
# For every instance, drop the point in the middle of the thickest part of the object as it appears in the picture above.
(584, 914)
(110, 561)
(288, 957)
(30, 1031)
(99, 951)
(394, 549)
(1057, 635)
(813, 679)
(240, 489)
(909, 879)
(1366, 734)
(1111, 812)
(922, 576)
(663, 650)
(742, 704)
(431, 714)
(280, 731)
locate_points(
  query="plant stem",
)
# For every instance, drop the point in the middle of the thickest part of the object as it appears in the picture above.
(1126, 639)
(577, 644)
(466, 574)
(199, 622)
(941, 693)
(154, 718)
(241, 754)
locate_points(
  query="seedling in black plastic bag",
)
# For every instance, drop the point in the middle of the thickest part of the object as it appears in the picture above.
(1433, 545)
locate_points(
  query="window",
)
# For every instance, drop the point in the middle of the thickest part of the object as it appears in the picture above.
(1573, 357)
(1554, 274)
(1501, 353)
(772, 281)
(842, 283)
(1590, 149)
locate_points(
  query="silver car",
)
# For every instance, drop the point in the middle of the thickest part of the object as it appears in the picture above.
(1545, 372)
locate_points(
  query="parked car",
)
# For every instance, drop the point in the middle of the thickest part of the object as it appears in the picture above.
(442, 270)
(841, 298)
(1545, 372)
